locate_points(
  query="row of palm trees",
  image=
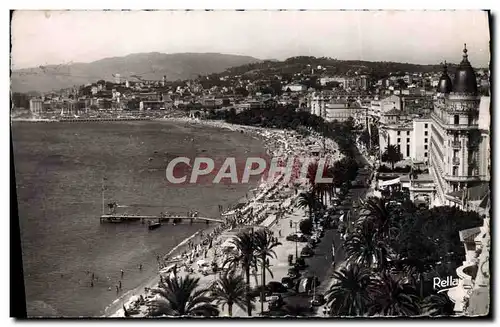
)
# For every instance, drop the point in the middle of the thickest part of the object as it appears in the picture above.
(342, 172)
(376, 280)
(181, 296)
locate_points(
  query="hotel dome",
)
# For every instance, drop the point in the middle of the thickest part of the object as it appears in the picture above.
(444, 85)
(465, 77)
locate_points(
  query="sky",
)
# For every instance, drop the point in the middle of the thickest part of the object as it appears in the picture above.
(421, 37)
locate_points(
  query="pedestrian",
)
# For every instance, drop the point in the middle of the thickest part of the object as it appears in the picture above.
(117, 290)
(290, 223)
(140, 266)
(121, 273)
(279, 232)
(120, 284)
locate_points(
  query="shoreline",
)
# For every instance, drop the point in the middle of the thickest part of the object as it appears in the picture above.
(279, 146)
(114, 309)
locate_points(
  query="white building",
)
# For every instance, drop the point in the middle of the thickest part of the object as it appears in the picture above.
(420, 139)
(380, 107)
(36, 106)
(400, 135)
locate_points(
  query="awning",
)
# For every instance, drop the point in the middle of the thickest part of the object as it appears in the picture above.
(390, 182)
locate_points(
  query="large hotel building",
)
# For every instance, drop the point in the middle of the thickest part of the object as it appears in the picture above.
(459, 138)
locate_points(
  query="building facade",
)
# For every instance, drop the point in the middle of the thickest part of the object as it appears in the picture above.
(36, 106)
(398, 134)
(455, 139)
(380, 107)
(420, 139)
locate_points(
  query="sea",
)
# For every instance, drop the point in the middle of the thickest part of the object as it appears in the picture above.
(59, 176)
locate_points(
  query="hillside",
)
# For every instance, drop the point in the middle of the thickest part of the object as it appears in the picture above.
(330, 67)
(147, 65)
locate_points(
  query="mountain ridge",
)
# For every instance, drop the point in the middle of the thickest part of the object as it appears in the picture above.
(150, 65)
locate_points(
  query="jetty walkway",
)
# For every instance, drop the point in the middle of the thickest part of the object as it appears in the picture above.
(117, 218)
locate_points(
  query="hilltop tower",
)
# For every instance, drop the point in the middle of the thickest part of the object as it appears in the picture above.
(455, 137)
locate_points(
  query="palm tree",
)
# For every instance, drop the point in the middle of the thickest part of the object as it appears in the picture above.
(180, 297)
(245, 246)
(392, 155)
(377, 211)
(437, 305)
(351, 294)
(414, 269)
(364, 248)
(394, 296)
(230, 289)
(264, 244)
(307, 200)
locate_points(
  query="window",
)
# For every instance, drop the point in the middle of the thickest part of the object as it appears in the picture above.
(425, 140)
(407, 150)
(426, 133)
(408, 140)
(425, 147)
(425, 154)
(399, 140)
(399, 133)
(426, 125)
(408, 133)
(455, 171)
(456, 119)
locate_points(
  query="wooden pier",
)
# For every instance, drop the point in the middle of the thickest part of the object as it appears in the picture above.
(117, 218)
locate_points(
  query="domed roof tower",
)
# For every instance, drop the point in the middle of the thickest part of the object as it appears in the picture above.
(444, 85)
(465, 77)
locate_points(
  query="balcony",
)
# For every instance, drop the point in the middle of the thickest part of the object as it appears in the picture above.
(455, 161)
(456, 144)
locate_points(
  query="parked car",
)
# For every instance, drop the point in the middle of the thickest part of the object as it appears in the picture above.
(318, 300)
(306, 252)
(275, 302)
(300, 264)
(296, 238)
(312, 244)
(293, 273)
(276, 287)
(288, 282)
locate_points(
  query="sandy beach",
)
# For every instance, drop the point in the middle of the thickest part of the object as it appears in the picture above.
(191, 252)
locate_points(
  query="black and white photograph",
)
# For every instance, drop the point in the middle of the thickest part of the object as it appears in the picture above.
(326, 164)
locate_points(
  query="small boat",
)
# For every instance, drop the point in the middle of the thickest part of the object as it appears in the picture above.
(152, 225)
